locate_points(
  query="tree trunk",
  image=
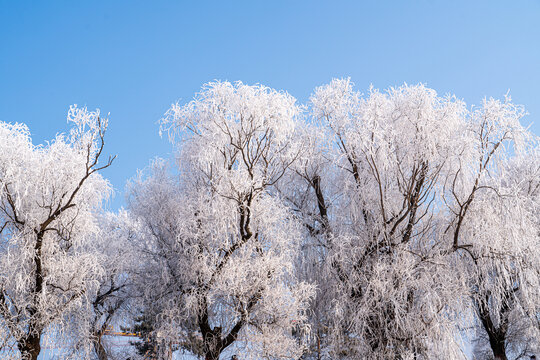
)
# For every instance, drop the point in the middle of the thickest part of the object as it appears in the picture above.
(497, 346)
(211, 356)
(214, 345)
(30, 347)
(496, 334)
(100, 350)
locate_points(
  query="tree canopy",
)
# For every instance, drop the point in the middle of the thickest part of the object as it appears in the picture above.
(395, 224)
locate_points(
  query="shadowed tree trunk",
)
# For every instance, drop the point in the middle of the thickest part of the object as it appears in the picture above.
(100, 349)
(30, 347)
(496, 333)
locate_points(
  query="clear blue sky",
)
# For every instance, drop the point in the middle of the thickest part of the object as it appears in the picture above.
(133, 59)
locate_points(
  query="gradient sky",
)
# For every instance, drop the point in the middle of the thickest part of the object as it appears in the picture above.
(133, 59)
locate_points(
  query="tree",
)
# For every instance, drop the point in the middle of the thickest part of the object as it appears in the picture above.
(503, 232)
(390, 153)
(219, 246)
(50, 196)
(411, 167)
(374, 226)
(147, 346)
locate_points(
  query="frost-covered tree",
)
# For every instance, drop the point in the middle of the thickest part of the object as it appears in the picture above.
(218, 244)
(502, 232)
(50, 196)
(390, 150)
(410, 168)
(414, 216)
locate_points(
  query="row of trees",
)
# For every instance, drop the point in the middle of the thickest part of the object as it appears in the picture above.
(391, 225)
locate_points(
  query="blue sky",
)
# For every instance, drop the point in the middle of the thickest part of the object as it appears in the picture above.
(133, 59)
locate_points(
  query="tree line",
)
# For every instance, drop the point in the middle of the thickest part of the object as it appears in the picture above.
(395, 224)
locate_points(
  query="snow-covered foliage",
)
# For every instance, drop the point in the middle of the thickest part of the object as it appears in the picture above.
(503, 266)
(107, 302)
(50, 196)
(218, 247)
(404, 222)
(395, 224)
(393, 292)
